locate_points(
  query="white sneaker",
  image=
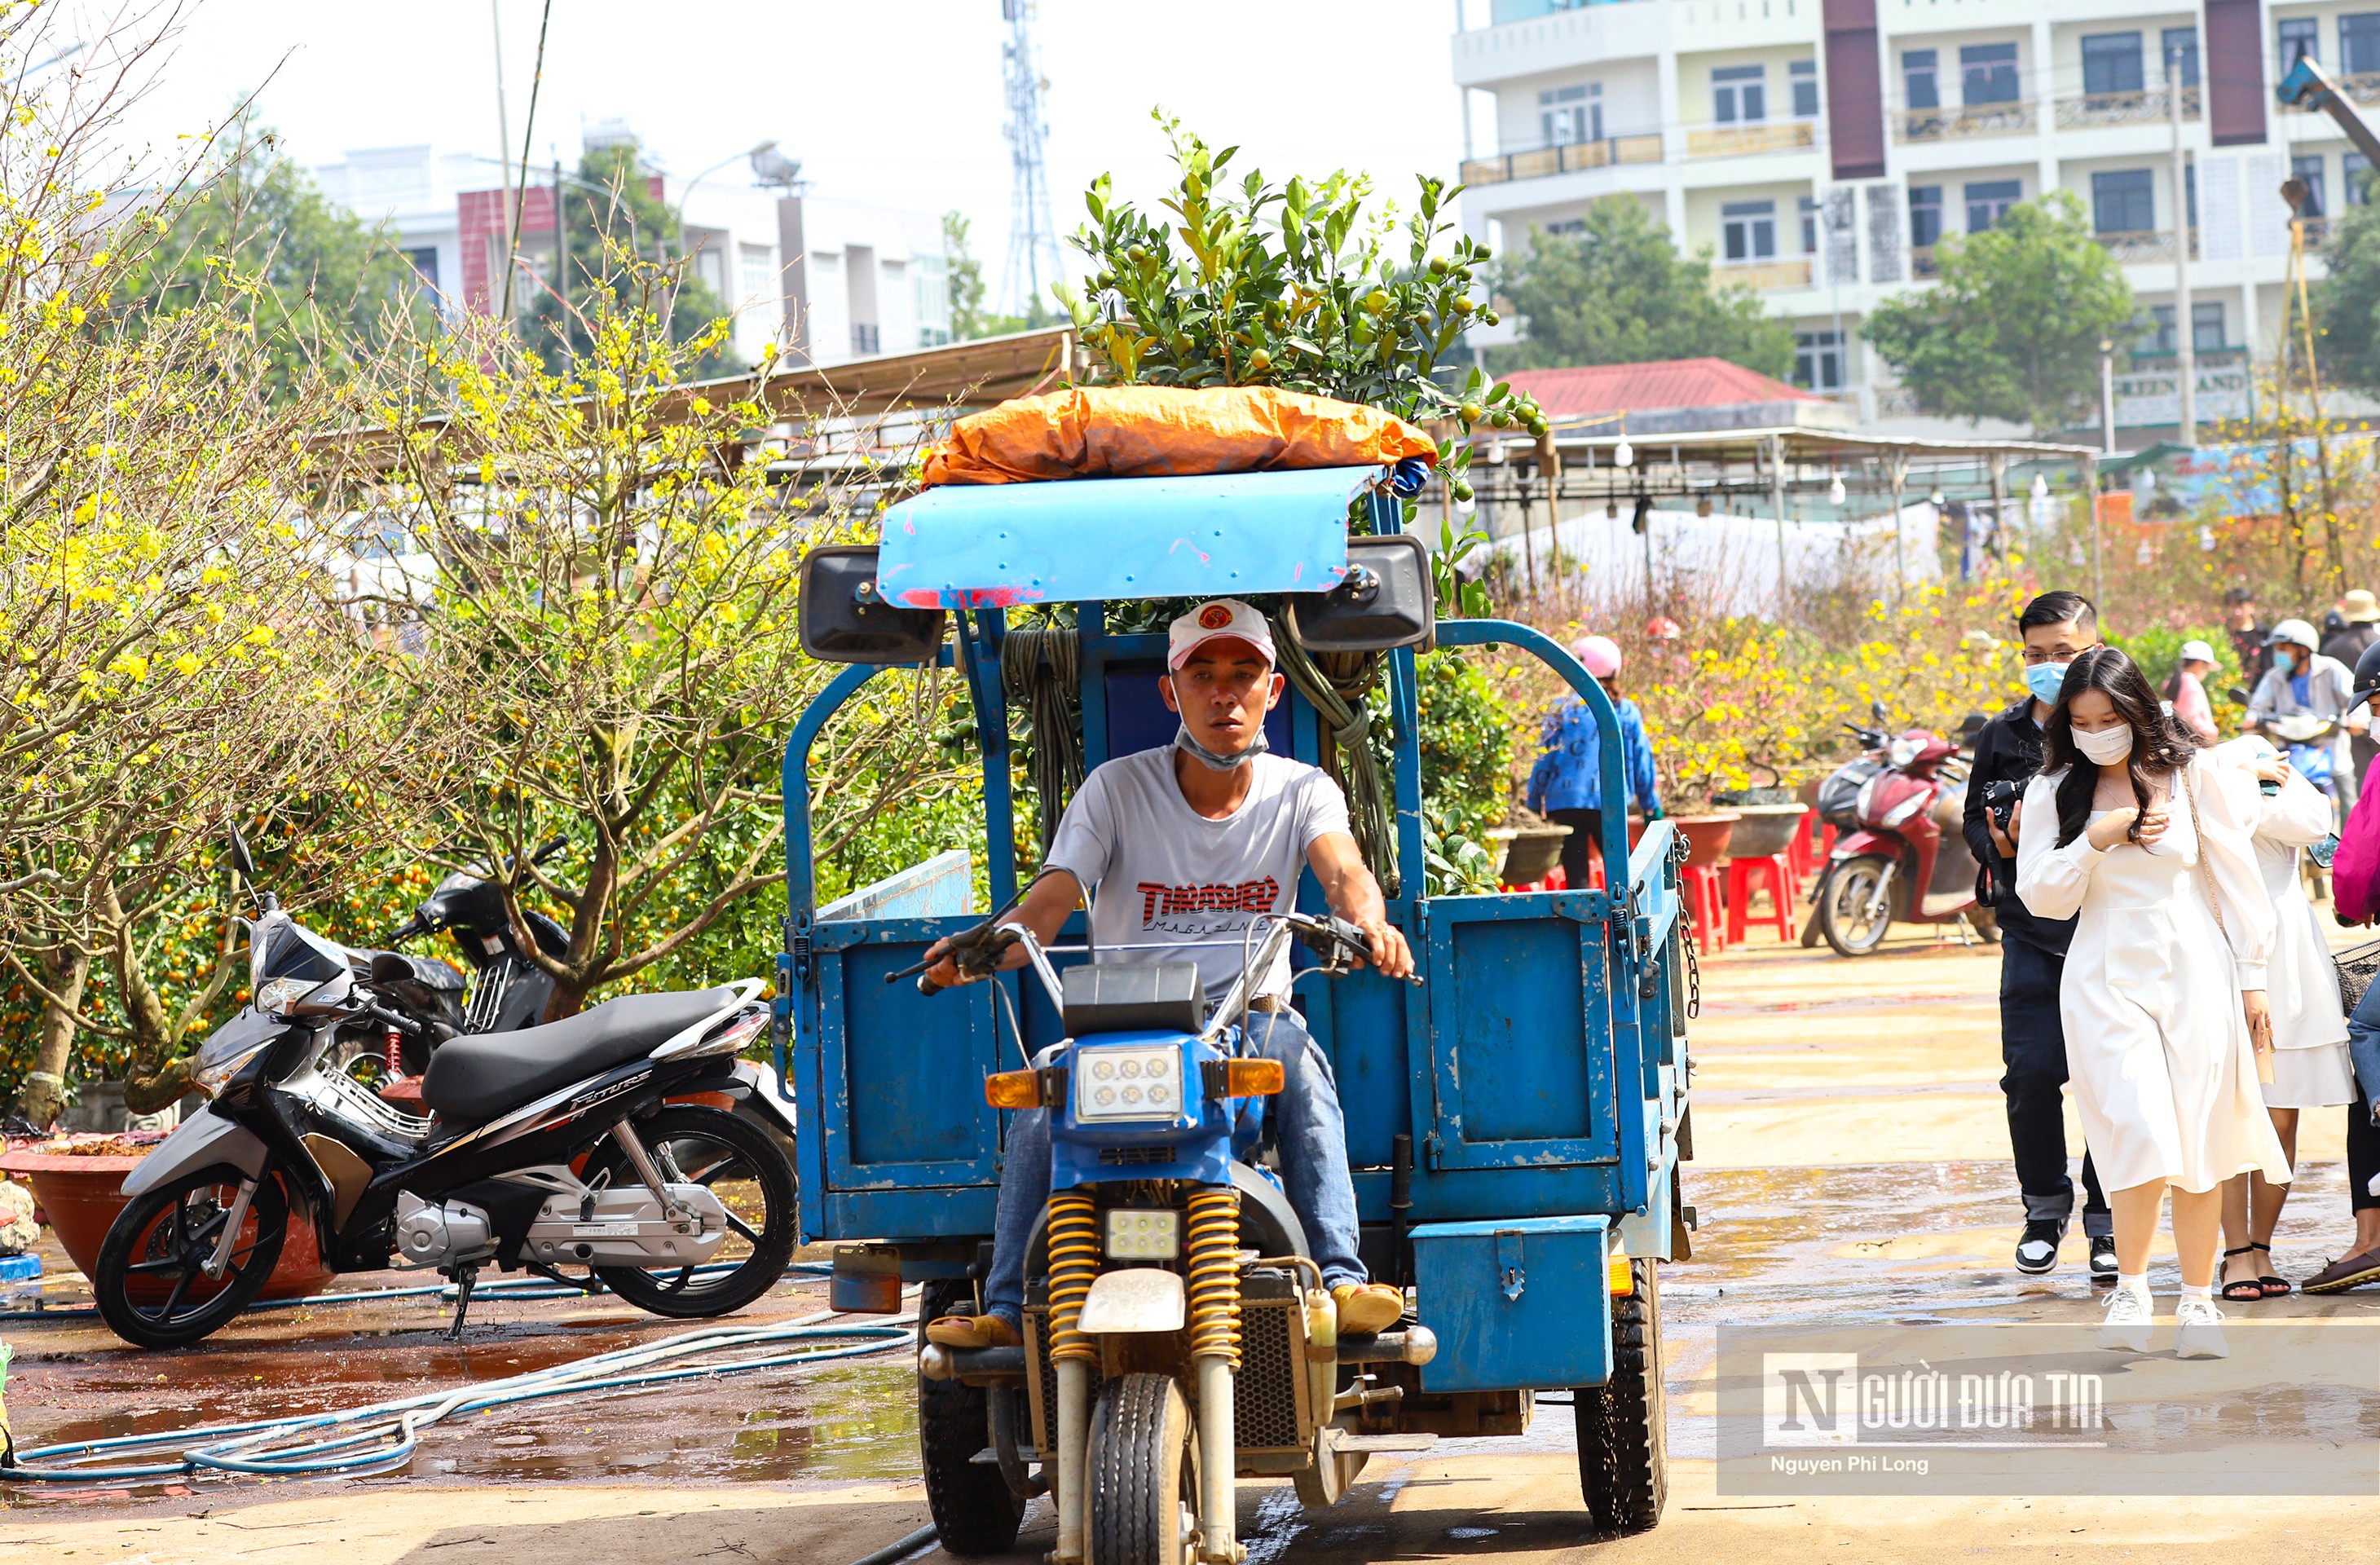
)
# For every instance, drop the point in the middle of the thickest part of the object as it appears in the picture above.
(2126, 1324)
(2198, 1330)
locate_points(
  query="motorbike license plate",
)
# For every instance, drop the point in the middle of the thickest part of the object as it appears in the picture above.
(603, 1231)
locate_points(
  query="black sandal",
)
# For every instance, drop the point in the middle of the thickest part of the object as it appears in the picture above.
(2254, 1286)
(2273, 1287)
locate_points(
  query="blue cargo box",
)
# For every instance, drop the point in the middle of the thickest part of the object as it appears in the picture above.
(1514, 1303)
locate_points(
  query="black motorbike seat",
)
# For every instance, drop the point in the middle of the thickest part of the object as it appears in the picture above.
(482, 1076)
(396, 967)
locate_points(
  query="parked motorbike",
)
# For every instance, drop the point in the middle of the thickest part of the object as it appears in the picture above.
(549, 1147)
(508, 990)
(1161, 1250)
(1902, 854)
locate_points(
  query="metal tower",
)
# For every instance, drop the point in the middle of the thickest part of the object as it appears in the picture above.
(1033, 262)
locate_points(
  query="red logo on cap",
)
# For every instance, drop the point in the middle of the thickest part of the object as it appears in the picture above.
(1214, 616)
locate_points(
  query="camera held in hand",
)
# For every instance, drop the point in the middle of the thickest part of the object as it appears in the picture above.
(2000, 796)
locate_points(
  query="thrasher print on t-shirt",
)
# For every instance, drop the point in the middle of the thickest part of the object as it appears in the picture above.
(1161, 905)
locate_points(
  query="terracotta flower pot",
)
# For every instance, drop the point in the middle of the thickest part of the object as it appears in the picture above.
(81, 1197)
(1766, 831)
(1706, 836)
(1528, 853)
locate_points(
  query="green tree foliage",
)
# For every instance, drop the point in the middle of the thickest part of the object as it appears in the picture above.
(2012, 331)
(612, 219)
(2347, 301)
(1617, 292)
(969, 317)
(251, 230)
(1297, 285)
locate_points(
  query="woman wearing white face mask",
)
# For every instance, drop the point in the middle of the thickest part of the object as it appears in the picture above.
(2138, 832)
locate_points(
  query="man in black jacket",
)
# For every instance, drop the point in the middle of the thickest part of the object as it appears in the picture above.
(2056, 627)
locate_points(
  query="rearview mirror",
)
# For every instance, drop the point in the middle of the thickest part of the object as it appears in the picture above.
(845, 619)
(240, 855)
(2237, 694)
(1384, 601)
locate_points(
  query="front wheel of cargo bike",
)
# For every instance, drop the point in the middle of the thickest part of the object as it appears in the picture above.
(1143, 1474)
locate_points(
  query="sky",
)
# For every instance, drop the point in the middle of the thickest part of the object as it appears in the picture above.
(899, 103)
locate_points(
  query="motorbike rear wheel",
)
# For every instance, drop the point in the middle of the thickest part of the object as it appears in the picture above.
(744, 1168)
(1143, 1474)
(1843, 906)
(974, 1511)
(151, 1283)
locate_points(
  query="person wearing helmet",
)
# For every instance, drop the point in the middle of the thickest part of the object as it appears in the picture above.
(2187, 689)
(1566, 785)
(2302, 683)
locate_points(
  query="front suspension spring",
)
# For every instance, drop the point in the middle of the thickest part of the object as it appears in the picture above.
(1073, 1231)
(1215, 1274)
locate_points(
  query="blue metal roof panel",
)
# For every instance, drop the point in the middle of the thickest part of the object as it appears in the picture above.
(973, 546)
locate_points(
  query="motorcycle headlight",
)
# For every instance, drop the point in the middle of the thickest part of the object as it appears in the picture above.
(277, 996)
(214, 1077)
(1129, 1082)
(1137, 1235)
(1904, 750)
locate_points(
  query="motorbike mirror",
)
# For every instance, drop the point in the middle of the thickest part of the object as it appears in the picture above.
(1876, 713)
(2236, 696)
(547, 852)
(240, 860)
(845, 618)
(1384, 601)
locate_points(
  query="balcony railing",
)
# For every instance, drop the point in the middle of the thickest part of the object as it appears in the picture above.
(1540, 162)
(1737, 140)
(1959, 124)
(1921, 263)
(1763, 276)
(2149, 106)
(2137, 247)
(2317, 232)
(2364, 86)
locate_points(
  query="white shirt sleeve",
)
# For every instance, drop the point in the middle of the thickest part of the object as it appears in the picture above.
(1322, 810)
(1084, 845)
(2051, 880)
(2223, 796)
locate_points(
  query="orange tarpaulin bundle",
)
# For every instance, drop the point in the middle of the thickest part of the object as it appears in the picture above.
(1163, 431)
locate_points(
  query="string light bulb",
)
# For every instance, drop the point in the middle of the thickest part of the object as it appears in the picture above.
(1623, 454)
(1835, 491)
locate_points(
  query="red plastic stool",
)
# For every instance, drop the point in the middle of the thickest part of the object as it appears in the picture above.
(1699, 885)
(1745, 876)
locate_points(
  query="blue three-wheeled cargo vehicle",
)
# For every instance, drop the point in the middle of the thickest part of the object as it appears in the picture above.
(1514, 1120)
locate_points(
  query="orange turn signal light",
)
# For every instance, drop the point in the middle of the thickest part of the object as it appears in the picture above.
(1013, 1089)
(1251, 1078)
(1620, 1276)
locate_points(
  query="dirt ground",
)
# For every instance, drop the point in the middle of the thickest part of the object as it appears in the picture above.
(1851, 1165)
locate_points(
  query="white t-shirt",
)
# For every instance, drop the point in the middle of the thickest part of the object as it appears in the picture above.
(1165, 874)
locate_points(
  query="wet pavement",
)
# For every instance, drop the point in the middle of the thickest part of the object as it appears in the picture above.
(1850, 1170)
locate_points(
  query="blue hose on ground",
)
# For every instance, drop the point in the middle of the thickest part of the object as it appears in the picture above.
(526, 1288)
(361, 1441)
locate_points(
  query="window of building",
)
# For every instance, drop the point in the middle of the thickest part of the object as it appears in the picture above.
(425, 262)
(2300, 39)
(2205, 328)
(1988, 74)
(1989, 201)
(1809, 226)
(1819, 360)
(2359, 43)
(2111, 63)
(1568, 225)
(1740, 94)
(1925, 215)
(1804, 74)
(755, 279)
(931, 275)
(2309, 168)
(2123, 201)
(1571, 114)
(2353, 167)
(2178, 45)
(1918, 88)
(1748, 230)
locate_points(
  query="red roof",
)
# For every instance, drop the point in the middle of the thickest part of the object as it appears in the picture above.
(1671, 382)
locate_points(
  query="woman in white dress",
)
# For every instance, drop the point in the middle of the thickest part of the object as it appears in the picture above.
(2139, 831)
(2310, 1068)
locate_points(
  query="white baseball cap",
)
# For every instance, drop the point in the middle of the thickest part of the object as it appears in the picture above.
(1210, 621)
(2197, 653)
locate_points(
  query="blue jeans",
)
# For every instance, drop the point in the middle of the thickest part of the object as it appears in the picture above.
(1303, 1122)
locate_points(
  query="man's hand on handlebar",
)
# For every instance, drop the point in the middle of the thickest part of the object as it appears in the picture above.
(1389, 951)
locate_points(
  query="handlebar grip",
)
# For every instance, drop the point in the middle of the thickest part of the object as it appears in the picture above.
(927, 987)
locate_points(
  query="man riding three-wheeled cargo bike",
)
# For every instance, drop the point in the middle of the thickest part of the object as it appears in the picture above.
(1222, 1149)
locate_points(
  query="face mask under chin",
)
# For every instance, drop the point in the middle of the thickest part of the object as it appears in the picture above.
(1215, 762)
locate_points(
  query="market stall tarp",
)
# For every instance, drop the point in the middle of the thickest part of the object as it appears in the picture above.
(1166, 431)
(971, 546)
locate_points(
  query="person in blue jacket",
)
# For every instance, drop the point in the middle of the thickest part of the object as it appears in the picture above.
(1566, 785)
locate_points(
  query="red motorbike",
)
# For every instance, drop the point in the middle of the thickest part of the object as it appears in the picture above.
(1900, 854)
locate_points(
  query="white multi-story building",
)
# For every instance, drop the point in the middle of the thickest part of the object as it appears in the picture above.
(1819, 148)
(830, 281)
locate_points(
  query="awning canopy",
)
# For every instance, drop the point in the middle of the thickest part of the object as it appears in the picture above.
(966, 546)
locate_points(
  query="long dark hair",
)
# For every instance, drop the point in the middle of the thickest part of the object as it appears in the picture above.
(2160, 743)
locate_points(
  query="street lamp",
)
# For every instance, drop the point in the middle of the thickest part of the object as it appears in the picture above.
(763, 149)
(2107, 394)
